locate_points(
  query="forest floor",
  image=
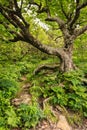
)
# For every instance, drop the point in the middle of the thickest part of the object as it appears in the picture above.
(61, 124)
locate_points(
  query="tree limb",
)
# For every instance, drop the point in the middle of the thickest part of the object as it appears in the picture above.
(60, 22)
(77, 12)
(46, 9)
(27, 37)
(42, 47)
(17, 13)
(18, 22)
(74, 19)
(78, 32)
(84, 4)
(9, 19)
(16, 5)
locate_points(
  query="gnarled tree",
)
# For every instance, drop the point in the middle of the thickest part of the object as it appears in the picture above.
(67, 14)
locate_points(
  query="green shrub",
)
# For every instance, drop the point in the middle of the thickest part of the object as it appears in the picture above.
(29, 115)
(12, 118)
(66, 89)
(71, 92)
(8, 117)
(8, 87)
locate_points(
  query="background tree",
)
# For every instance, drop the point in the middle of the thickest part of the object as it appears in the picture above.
(68, 15)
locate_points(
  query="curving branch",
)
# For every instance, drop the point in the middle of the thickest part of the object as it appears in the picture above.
(42, 47)
(84, 4)
(15, 13)
(60, 22)
(78, 32)
(25, 34)
(77, 12)
(8, 18)
(18, 21)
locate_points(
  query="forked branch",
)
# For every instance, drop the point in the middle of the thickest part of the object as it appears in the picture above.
(77, 12)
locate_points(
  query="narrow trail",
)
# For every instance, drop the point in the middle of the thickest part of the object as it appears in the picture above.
(23, 96)
(61, 124)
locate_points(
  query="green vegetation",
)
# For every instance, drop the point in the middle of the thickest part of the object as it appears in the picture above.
(52, 35)
(67, 90)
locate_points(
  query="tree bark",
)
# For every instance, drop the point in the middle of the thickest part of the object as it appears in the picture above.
(66, 63)
(64, 54)
(14, 16)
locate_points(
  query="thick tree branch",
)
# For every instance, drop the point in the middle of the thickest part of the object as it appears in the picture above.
(16, 5)
(62, 26)
(8, 10)
(74, 19)
(18, 22)
(77, 12)
(9, 19)
(60, 22)
(17, 13)
(78, 32)
(27, 37)
(42, 47)
(84, 4)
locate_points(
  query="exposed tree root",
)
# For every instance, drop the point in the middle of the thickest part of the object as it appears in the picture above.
(46, 101)
(84, 80)
(48, 67)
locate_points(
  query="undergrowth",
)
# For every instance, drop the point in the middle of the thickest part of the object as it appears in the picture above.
(48, 89)
(66, 90)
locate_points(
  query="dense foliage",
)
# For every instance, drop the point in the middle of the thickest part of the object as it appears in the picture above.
(53, 28)
(25, 20)
(67, 90)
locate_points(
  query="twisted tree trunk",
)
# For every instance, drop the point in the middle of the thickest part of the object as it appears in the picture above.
(64, 54)
(14, 15)
(66, 62)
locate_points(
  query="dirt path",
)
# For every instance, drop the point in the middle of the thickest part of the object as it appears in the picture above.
(61, 124)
